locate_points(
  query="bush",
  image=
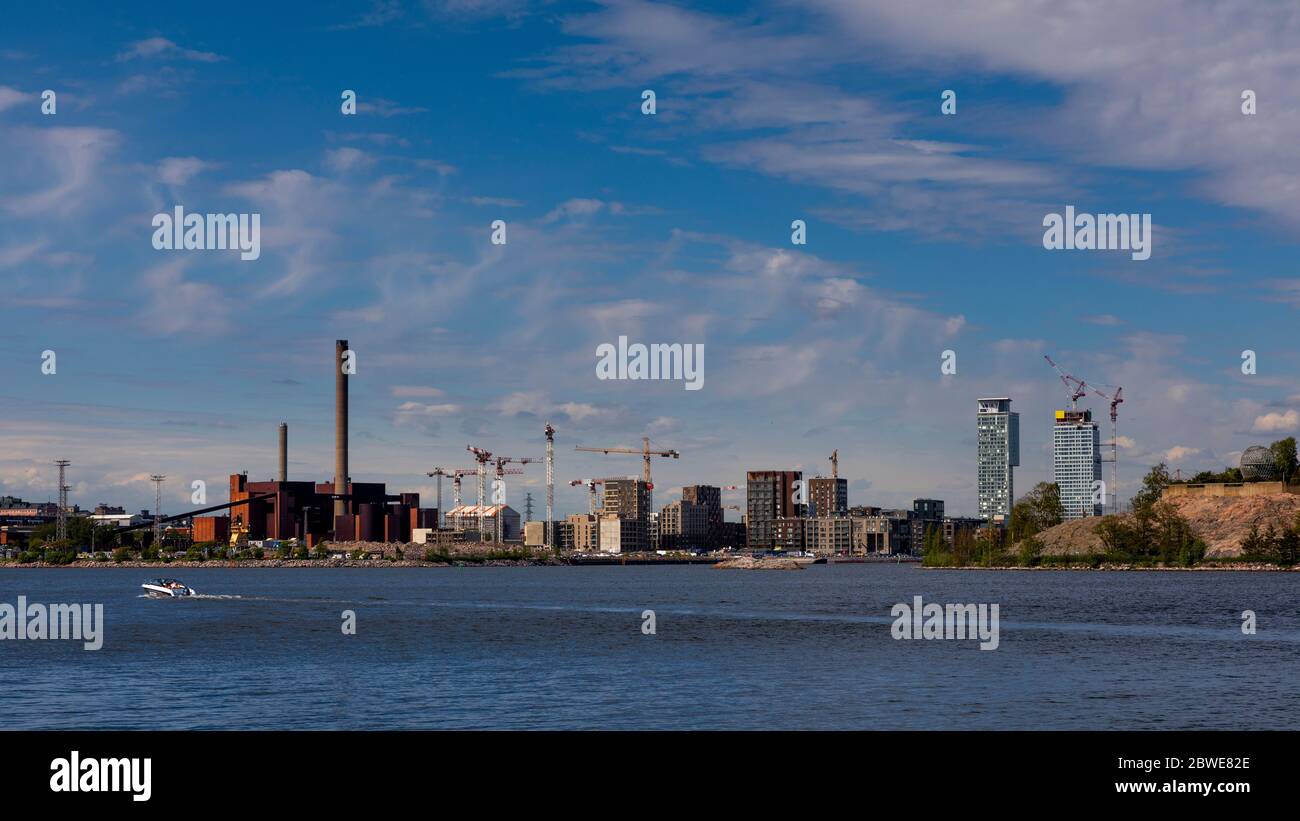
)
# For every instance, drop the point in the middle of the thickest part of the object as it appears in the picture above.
(432, 555)
(1271, 546)
(1155, 533)
(1031, 551)
(121, 554)
(320, 551)
(26, 557)
(301, 553)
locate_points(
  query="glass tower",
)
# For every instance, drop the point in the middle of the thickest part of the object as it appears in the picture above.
(998, 451)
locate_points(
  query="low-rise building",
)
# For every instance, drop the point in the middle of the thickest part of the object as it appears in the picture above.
(828, 535)
(622, 535)
(684, 525)
(467, 517)
(584, 532)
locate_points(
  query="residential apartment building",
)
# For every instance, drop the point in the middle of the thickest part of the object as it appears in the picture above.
(770, 495)
(1076, 463)
(828, 496)
(997, 454)
(684, 525)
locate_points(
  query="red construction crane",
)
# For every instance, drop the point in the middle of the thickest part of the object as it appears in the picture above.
(1076, 387)
(1116, 400)
(591, 489)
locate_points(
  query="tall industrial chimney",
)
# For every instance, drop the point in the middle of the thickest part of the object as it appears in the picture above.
(340, 428)
(284, 451)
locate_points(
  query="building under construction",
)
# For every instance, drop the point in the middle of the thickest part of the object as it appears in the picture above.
(338, 510)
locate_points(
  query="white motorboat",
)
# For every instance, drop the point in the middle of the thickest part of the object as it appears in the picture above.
(167, 588)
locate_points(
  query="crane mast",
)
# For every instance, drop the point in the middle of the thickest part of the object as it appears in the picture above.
(550, 486)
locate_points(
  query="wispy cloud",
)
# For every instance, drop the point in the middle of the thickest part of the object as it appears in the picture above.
(162, 48)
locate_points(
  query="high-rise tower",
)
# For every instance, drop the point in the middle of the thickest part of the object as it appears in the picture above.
(1076, 463)
(997, 453)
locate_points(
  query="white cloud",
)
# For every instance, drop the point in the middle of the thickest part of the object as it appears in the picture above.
(576, 207)
(1178, 453)
(405, 391)
(180, 170)
(162, 47)
(343, 160)
(62, 166)
(10, 97)
(419, 409)
(1274, 422)
(176, 305)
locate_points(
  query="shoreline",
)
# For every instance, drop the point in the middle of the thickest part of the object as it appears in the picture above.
(286, 563)
(1235, 567)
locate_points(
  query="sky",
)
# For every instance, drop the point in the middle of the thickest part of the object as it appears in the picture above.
(924, 235)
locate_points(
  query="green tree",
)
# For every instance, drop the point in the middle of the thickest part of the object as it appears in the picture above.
(935, 551)
(1031, 551)
(1153, 484)
(1284, 456)
(1036, 511)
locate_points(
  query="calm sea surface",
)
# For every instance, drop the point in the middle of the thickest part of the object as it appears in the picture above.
(562, 647)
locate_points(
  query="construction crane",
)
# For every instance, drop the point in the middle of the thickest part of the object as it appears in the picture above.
(550, 486)
(439, 473)
(501, 462)
(645, 453)
(455, 483)
(1076, 387)
(482, 457)
(460, 472)
(1116, 399)
(591, 489)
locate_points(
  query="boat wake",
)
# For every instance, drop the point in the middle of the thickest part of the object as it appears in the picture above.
(193, 596)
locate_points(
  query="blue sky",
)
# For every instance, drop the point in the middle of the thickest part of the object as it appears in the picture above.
(924, 234)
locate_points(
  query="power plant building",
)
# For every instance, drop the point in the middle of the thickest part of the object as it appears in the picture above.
(339, 510)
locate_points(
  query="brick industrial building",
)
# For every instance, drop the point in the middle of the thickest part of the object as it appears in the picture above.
(339, 510)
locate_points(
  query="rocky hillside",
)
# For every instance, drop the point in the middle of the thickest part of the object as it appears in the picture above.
(1222, 522)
